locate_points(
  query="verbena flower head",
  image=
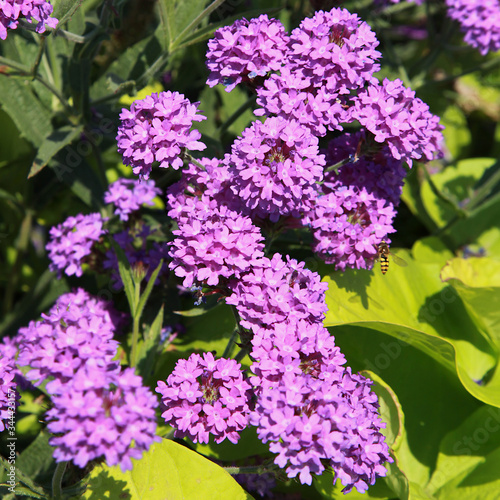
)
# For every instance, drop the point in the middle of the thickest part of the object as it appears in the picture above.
(8, 394)
(33, 10)
(276, 166)
(313, 412)
(70, 336)
(275, 290)
(157, 128)
(128, 195)
(394, 116)
(348, 225)
(378, 172)
(71, 242)
(357, 206)
(293, 346)
(294, 96)
(102, 413)
(334, 49)
(213, 179)
(244, 50)
(80, 303)
(204, 397)
(479, 20)
(213, 242)
(141, 252)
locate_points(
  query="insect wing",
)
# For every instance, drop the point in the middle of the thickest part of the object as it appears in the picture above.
(398, 260)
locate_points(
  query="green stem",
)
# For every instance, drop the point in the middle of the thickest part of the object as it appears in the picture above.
(36, 64)
(22, 70)
(55, 32)
(196, 21)
(190, 159)
(135, 331)
(335, 167)
(57, 480)
(123, 88)
(230, 344)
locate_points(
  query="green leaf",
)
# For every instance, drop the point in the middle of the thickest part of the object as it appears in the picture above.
(72, 168)
(411, 196)
(467, 465)
(390, 409)
(397, 481)
(392, 415)
(147, 291)
(126, 276)
(23, 478)
(456, 131)
(432, 250)
(51, 145)
(477, 282)
(458, 184)
(191, 313)
(183, 19)
(147, 354)
(36, 460)
(210, 332)
(31, 118)
(432, 401)
(412, 304)
(167, 470)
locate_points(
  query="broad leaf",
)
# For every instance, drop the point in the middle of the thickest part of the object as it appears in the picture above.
(477, 282)
(457, 184)
(467, 465)
(31, 118)
(167, 470)
(51, 145)
(412, 304)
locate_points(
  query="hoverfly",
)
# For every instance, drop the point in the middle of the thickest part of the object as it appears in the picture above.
(383, 255)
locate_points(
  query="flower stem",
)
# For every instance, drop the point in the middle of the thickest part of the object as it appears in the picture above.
(57, 480)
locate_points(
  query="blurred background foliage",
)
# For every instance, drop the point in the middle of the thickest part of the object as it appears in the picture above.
(428, 334)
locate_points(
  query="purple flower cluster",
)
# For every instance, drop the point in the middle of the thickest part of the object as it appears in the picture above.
(336, 50)
(275, 290)
(71, 242)
(210, 177)
(78, 330)
(213, 242)
(7, 389)
(294, 96)
(204, 397)
(395, 117)
(310, 419)
(276, 166)
(357, 206)
(377, 171)
(312, 410)
(128, 195)
(245, 50)
(348, 225)
(157, 128)
(329, 56)
(102, 412)
(479, 20)
(33, 10)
